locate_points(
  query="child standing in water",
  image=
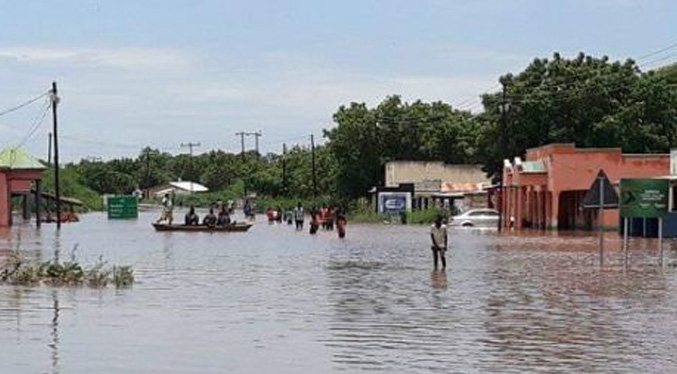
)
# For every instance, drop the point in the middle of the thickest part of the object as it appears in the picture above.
(341, 223)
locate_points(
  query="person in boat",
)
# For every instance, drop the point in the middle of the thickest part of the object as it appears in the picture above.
(341, 223)
(191, 217)
(167, 208)
(224, 218)
(210, 219)
(299, 216)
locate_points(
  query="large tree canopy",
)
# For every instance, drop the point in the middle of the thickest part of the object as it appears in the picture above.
(585, 100)
(364, 139)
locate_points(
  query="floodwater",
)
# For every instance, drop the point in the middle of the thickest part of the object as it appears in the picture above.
(279, 301)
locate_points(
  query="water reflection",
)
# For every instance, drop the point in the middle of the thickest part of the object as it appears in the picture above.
(438, 280)
(276, 300)
(54, 345)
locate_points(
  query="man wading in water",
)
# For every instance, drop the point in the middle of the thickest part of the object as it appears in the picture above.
(438, 235)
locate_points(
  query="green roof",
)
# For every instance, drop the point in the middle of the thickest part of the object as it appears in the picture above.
(533, 166)
(17, 158)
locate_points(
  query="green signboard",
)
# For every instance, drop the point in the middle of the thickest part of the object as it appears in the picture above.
(644, 198)
(123, 207)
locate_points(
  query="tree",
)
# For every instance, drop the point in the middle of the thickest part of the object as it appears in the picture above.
(589, 101)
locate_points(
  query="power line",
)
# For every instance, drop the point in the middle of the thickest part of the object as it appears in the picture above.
(37, 122)
(31, 101)
(647, 64)
(669, 47)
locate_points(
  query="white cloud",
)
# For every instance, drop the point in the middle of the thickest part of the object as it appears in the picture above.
(120, 58)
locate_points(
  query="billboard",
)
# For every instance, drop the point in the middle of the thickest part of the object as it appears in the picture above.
(644, 198)
(394, 202)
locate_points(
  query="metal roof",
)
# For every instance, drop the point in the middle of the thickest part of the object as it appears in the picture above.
(189, 186)
(17, 158)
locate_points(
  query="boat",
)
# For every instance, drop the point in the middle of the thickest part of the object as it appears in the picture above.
(236, 227)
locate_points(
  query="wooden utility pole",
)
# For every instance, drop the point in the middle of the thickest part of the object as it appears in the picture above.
(190, 146)
(256, 135)
(57, 191)
(241, 134)
(284, 168)
(312, 152)
(147, 173)
(503, 151)
(49, 151)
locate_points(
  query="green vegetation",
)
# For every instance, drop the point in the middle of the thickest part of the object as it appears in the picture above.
(593, 102)
(18, 271)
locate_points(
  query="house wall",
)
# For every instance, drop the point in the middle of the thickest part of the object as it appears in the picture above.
(13, 181)
(553, 198)
(397, 172)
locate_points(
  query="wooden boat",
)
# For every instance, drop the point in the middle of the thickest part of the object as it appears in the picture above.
(237, 227)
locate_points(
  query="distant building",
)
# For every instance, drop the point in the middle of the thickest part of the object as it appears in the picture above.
(436, 184)
(546, 189)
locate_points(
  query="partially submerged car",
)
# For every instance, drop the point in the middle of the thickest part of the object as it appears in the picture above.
(476, 218)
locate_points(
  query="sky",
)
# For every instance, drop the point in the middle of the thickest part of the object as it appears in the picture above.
(157, 73)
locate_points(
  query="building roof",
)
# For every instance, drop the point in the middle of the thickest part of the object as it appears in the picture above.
(17, 158)
(189, 186)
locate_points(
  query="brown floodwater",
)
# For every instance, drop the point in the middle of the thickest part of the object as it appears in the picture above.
(280, 301)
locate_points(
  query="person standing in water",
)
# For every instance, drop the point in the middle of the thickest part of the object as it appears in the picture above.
(438, 235)
(299, 215)
(341, 223)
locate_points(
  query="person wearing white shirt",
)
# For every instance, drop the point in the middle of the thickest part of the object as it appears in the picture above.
(438, 235)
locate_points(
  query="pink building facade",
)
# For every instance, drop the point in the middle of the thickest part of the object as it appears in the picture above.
(545, 190)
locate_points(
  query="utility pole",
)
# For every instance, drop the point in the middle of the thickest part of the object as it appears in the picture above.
(49, 151)
(256, 134)
(503, 152)
(147, 172)
(55, 101)
(190, 146)
(284, 168)
(312, 152)
(241, 134)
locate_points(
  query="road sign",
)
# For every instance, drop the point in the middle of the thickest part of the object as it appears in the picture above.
(592, 197)
(123, 207)
(644, 198)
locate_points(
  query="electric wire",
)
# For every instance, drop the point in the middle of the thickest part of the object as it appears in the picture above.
(24, 104)
(37, 122)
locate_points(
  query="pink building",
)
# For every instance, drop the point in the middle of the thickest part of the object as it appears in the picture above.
(546, 189)
(18, 172)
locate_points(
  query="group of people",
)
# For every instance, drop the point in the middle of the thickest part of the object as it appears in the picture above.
(192, 218)
(324, 217)
(210, 219)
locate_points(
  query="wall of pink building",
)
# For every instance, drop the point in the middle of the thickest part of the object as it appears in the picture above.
(571, 169)
(13, 181)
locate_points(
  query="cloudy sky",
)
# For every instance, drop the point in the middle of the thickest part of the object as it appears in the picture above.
(162, 73)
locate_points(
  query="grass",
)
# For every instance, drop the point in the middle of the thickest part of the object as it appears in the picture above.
(416, 217)
(19, 271)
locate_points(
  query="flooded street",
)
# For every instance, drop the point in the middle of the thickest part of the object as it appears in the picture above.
(277, 300)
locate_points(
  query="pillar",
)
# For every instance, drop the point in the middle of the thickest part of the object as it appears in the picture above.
(554, 209)
(38, 202)
(5, 201)
(519, 213)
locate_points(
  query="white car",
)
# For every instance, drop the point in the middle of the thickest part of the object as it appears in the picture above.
(477, 218)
